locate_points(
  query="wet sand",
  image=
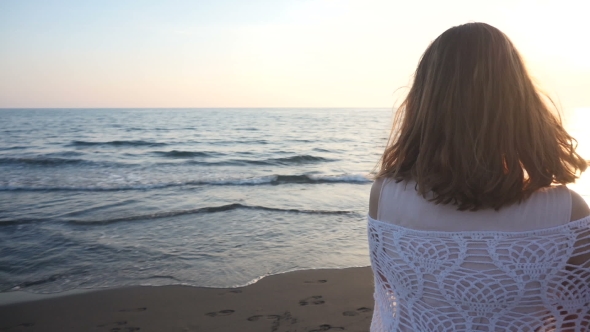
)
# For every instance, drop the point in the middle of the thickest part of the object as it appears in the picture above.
(310, 301)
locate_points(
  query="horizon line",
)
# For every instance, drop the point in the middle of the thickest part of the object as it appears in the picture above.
(217, 107)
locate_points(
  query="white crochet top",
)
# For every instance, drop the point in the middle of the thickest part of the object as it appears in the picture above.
(502, 273)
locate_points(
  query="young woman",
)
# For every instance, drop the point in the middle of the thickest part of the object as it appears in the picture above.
(471, 226)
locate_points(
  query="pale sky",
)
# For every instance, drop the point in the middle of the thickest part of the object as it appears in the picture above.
(275, 53)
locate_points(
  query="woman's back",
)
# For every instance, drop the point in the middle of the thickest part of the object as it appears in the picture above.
(440, 269)
(468, 230)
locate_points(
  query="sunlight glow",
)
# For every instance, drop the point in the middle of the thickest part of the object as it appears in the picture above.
(317, 53)
(577, 122)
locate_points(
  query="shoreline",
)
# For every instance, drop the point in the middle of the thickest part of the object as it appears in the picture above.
(305, 300)
(20, 296)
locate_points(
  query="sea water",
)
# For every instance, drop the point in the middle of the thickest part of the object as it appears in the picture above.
(93, 198)
(203, 197)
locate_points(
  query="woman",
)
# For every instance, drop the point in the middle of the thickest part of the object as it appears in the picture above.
(471, 227)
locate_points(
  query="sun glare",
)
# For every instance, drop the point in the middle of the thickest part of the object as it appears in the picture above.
(576, 122)
(560, 40)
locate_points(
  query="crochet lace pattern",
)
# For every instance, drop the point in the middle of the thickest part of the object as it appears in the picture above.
(480, 281)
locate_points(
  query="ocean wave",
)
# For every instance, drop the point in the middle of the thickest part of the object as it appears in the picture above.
(208, 209)
(51, 278)
(301, 159)
(41, 161)
(12, 148)
(285, 161)
(88, 187)
(193, 158)
(253, 181)
(347, 178)
(20, 221)
(234, 142)
(117, 143)
(64, 154)
(184, 154)
(286, 179)
(50, 161)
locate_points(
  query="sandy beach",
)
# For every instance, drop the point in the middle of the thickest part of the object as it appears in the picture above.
(312, 300)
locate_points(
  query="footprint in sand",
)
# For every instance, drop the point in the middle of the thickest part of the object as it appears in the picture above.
(19, 325)
(226, 312)
(316, 299)
(125, 329)
(258, 317)
(277, 320)
(123, 322)
(354, 313)
(322, 281)
(119, 326)
(133, 309)
(236, 291)
(328, 327)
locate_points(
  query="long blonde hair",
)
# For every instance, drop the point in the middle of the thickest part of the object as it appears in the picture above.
(474, 131)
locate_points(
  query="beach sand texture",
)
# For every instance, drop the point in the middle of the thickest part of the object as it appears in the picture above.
(310, 301)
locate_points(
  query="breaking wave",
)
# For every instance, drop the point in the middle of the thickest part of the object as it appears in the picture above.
(209, 209)
(121, 143)
(254, 181)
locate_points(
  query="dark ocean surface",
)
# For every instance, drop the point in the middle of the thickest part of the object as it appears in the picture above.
(203, 197)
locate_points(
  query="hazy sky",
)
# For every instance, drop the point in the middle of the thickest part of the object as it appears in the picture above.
(222, 53)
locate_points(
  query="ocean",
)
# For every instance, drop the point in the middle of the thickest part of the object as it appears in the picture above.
(94, 198)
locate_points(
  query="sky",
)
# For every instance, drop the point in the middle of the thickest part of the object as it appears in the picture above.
(255, 53)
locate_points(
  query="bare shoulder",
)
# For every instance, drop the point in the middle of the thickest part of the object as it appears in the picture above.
(580, 208)
(374, 199)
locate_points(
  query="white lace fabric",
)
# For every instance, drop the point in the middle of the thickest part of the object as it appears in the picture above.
(480, 280)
